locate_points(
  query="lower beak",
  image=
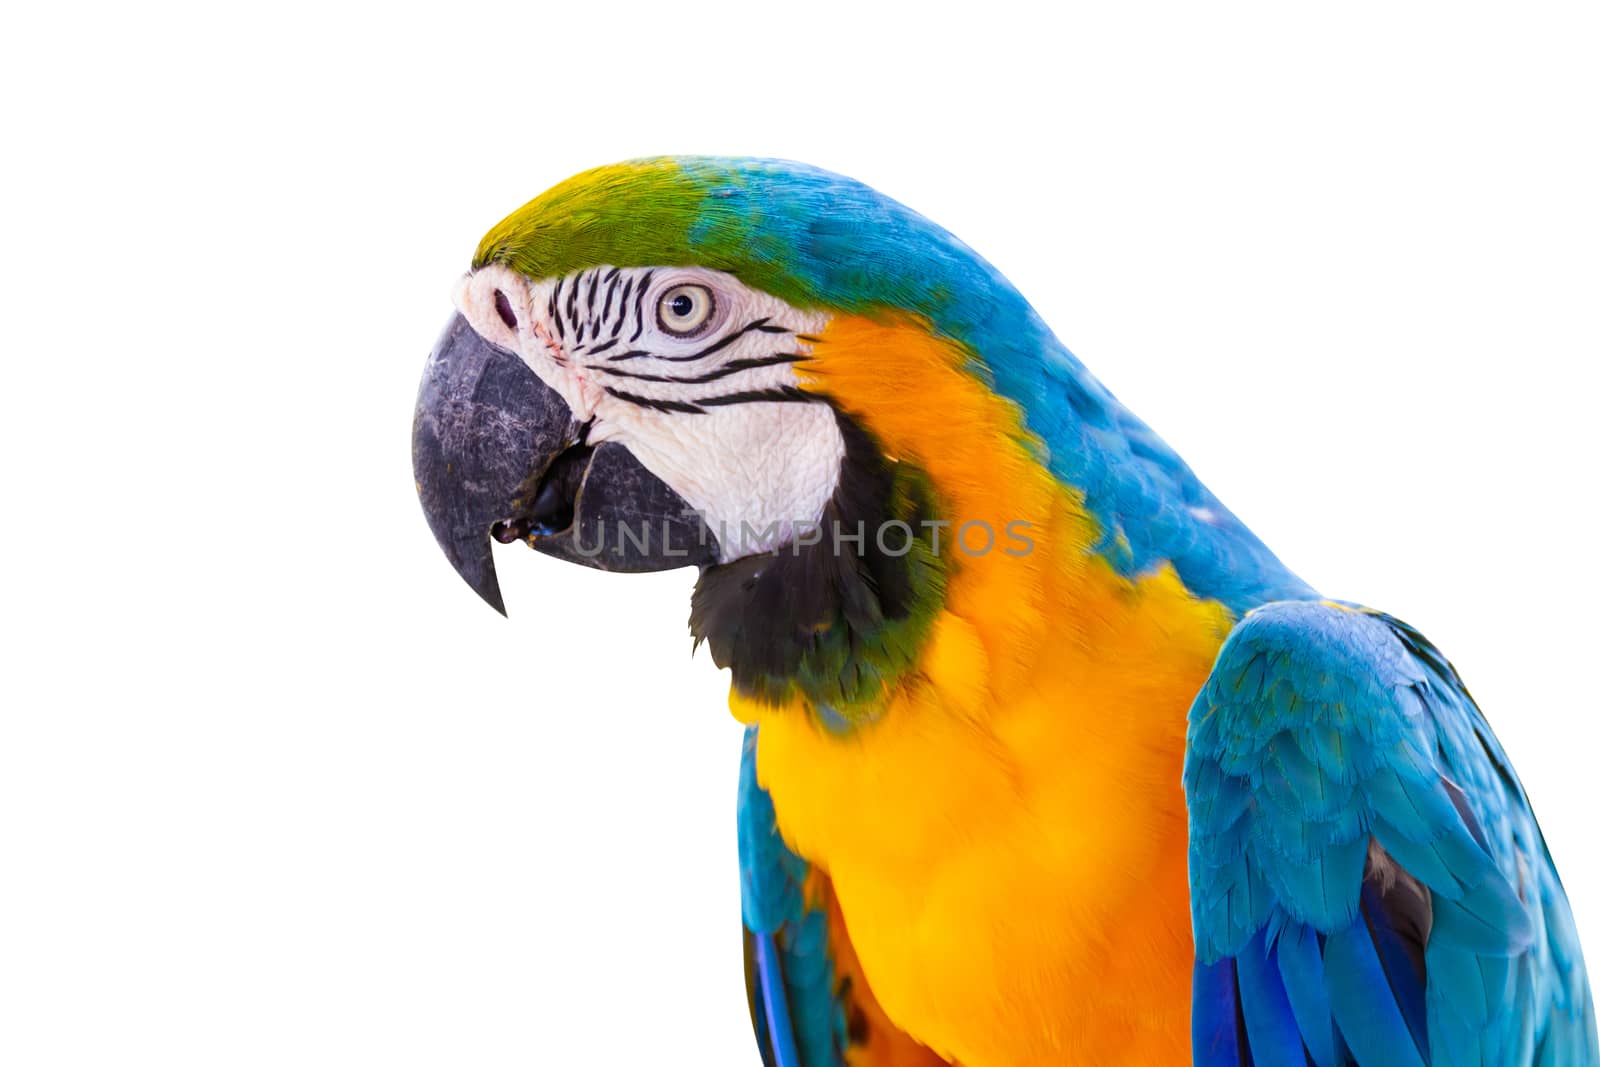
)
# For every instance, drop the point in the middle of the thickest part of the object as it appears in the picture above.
(496, 452)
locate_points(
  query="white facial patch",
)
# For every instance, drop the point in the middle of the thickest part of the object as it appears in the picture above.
(693, 372)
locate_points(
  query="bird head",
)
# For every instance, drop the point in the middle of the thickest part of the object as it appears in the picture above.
(820, 398)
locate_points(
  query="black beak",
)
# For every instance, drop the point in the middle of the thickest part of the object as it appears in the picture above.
(496, 452)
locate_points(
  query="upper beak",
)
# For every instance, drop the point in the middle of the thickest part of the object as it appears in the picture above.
(497, 452)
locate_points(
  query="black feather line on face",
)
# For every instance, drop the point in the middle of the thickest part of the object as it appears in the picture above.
(782, 394)
(611, 291)
(773, 617)
(733, 366)
(622, 308)
(656, 404)
(761, 325)
(638, 306)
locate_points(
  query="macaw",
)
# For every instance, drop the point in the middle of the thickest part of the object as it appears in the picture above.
(1047, 757)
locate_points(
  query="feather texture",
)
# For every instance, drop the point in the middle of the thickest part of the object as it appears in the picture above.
(1351, 814)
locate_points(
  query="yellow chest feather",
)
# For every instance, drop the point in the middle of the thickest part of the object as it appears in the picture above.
(1006, 838)
(1011, 872)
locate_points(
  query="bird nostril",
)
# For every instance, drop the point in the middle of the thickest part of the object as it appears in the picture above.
(502, 307)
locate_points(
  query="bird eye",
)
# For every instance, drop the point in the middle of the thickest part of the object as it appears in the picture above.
(685, 310)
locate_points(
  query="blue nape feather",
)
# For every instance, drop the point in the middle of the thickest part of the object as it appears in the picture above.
(853, 249)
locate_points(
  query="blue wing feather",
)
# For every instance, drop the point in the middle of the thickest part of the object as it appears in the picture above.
(1305, 983)
(1367, 880)
(1215, 1019)
(775, 1027)
(1269, 1021)
(1364, 1007)
(1399, 921)
(795, 1005)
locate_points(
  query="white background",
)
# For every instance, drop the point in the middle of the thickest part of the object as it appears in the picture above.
(274, 786)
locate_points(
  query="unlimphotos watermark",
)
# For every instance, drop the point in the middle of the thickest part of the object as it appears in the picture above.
(893, 537)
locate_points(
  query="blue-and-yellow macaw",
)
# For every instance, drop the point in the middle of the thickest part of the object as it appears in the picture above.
(1048, 759)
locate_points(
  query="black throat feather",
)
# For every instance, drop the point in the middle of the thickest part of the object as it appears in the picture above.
(837, 621)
